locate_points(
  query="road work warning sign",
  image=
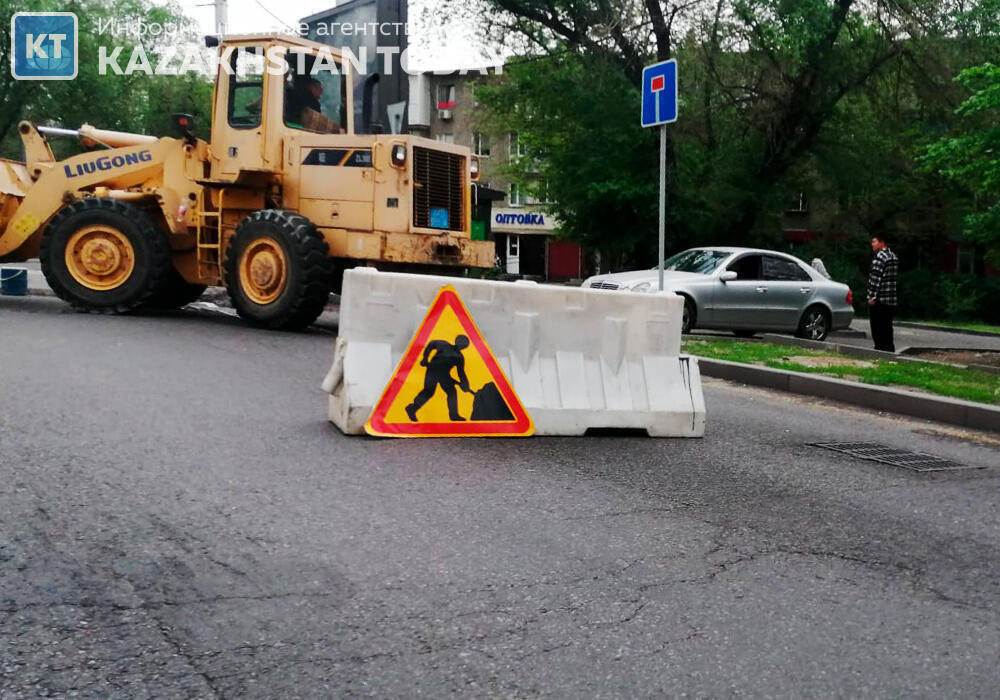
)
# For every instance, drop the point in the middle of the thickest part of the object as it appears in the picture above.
(448, 383)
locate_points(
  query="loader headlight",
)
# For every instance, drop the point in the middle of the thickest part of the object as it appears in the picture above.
(474, 167)
(399, 155)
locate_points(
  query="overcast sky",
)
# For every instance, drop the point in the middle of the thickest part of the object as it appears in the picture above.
(427, 50)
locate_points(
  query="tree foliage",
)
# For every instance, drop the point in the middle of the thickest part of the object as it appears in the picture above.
(777, 96)
(972, 160)
(587, 134)
(138, 102)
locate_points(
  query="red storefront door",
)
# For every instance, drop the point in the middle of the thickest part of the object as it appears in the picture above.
(565, 260)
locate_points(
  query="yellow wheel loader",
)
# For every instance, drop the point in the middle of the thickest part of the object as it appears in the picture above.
(275, 206)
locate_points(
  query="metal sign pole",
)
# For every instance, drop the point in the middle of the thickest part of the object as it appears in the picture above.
(659, 108)
(663, 199)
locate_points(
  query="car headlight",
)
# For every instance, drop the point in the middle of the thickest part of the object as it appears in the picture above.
(641, 287)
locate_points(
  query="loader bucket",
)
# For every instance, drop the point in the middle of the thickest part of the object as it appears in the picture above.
(578, 359)
(14, 185)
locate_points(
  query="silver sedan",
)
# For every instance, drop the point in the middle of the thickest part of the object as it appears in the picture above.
(744, 290)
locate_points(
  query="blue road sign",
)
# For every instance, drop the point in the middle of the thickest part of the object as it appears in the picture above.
(43, 45)
(659, 93)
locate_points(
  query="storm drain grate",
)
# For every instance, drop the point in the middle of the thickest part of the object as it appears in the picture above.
(914, 461)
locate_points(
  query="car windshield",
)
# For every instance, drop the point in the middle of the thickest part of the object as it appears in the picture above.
(702, 262)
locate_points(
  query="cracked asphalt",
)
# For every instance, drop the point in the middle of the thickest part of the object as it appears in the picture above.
(178, 519)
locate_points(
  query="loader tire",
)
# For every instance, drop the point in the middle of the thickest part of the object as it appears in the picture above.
(278, 270)
(175, 292)
(104, 256)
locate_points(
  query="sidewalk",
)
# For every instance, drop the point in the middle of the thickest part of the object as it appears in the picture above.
(909, 336)
(943, 327)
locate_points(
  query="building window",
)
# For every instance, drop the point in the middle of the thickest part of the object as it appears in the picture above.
(541, 193)
(515, 148)
(515, 195)
(445, 138)
(799, 205)
(481, 144)
(446, 96)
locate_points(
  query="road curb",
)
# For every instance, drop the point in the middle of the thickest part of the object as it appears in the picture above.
(849, 332)
(945, 329)
(891, 400)
(829, 346)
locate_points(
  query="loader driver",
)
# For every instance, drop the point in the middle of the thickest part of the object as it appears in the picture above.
(302, 94)
(303, 108)
(313, 91)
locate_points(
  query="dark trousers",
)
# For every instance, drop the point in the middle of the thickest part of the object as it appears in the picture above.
(431, 383)
(880, 317)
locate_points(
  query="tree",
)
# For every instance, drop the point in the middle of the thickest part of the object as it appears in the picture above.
(589, 149)
(761, 82)
(972, 160)
(137, 102)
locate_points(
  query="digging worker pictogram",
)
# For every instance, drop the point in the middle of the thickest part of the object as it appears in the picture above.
(445, 357)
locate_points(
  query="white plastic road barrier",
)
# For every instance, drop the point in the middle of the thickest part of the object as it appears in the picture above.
(577, 358)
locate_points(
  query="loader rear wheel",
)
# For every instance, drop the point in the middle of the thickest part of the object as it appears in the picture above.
(277, 270)
(104, 256)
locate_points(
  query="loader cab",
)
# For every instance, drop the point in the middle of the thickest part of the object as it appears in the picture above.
(269, 90)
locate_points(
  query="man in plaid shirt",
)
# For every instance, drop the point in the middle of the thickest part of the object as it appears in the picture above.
(882, 295)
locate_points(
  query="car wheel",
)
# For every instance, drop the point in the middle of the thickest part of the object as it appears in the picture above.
(744, 334)
(815, 324)
(690, 315)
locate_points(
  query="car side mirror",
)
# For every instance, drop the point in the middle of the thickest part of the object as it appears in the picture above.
(728, 276)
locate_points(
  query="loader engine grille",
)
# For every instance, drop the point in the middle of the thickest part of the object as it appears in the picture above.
(438, 189)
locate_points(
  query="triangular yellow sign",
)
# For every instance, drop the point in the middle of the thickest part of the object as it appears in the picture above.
(448, 383)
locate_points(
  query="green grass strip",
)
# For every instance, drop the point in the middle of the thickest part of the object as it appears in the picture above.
(945, 380)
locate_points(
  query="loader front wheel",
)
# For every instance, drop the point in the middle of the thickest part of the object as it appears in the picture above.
(104, 256)
(278, 271)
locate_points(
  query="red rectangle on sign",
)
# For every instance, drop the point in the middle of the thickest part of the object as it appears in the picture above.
(657, 83)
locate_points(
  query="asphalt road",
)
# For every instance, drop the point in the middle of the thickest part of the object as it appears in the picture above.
(178, 519)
